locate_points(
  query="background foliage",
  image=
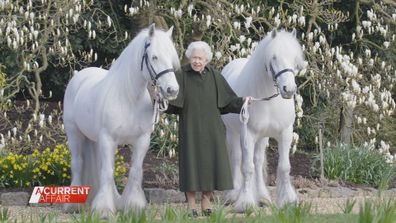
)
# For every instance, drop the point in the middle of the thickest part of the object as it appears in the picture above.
(349, 45)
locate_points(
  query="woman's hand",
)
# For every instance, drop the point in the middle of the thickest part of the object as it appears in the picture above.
(249, 99)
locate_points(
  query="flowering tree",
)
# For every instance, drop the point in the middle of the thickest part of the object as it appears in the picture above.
(351, 76)
(36, 34)
(348, 46)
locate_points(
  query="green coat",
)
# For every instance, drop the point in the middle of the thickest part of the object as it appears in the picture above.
(203, 159)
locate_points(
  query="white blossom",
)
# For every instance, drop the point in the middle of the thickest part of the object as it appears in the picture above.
(189, 9)
(237, 25)
(14, 131)
(277, 20)
(218, 55)
(41, 120)
(248, 22)
(242, 38)
(109, 21)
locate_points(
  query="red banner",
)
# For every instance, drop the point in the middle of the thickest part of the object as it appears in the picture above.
(59, 194)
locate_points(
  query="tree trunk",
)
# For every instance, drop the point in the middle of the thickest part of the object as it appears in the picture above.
(346, 121)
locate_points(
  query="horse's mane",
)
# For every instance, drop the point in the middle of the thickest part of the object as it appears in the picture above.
(126, 68)
(284, 45)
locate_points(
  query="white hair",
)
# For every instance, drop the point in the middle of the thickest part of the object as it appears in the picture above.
(199, 45)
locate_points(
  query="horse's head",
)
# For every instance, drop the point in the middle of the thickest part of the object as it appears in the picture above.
(160, 60)
(285, 60)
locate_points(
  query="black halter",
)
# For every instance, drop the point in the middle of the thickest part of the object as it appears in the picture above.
(154, 75)
(276, 75)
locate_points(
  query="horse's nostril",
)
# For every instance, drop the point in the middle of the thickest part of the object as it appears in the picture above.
(171, 91)
(289, 89)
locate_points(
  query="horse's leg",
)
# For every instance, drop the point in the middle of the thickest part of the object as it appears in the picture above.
(103, 202)
(235, 153)
(133, 195)
(285, 191)
(260, 164)
(91, 167)
(75, 141)
(246, 197)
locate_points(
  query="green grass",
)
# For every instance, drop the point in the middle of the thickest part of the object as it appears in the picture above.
(374, 210)
(378, 210)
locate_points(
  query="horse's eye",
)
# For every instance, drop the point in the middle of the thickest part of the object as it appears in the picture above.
(154, 58)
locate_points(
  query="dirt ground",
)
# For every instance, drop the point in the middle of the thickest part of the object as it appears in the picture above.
(160, 172)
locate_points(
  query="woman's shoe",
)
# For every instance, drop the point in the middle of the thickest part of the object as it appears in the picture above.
(194, 213)
(207, 212)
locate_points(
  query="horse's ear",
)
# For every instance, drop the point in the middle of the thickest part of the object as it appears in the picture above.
(151, 30)
(169, 32)
(294, 32)
(273, 33)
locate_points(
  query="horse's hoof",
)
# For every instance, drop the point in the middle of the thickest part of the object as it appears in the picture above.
(104, 213)
(244, 202)
(228, 203)
(242, 207)
(264, 203)
(134, 207)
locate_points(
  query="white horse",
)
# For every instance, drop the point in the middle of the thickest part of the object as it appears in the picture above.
(271, 69)
(107, 108)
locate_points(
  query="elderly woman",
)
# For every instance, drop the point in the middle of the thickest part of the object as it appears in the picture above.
(203, 96)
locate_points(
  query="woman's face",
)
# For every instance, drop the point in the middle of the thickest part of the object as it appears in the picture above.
(198, 60)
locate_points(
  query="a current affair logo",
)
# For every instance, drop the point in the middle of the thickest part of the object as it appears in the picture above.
(59, 194)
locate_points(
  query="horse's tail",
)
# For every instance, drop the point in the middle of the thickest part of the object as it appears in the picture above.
(91, 167)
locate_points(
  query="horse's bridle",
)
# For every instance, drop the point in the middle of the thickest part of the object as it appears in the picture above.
(276, 75)
(244, 114)
(154, 75)
(160, 103)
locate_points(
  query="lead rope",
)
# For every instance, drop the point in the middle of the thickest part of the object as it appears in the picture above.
(160, 105)
(244, 116)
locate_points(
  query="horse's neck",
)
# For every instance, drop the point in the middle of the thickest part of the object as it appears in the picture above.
(259, 82)
(125, 84)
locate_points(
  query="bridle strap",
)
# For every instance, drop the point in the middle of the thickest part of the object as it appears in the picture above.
(276, 75)
(244, 114)
(146, 45)
(283, 71)
(154, 75)
(164, 72)
(160, 103)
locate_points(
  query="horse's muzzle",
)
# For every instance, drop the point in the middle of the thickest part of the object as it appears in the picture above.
(288, 93)
(170, 93)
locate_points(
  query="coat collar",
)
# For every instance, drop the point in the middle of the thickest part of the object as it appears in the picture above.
(188, 68)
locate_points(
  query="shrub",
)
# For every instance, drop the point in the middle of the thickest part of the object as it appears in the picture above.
(359, 165)
(164, 137)
(48, 167)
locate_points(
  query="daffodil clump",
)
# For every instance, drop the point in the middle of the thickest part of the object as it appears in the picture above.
(15, 170)
(48, 167)
(120, 166)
